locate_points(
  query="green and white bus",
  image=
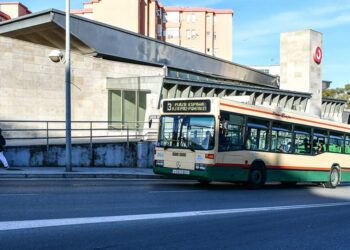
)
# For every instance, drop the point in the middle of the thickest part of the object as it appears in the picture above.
(214, 139)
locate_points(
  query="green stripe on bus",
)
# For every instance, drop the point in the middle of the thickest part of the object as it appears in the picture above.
(231, 174)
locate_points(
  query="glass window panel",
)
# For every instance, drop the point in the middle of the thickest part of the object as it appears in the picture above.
(347, 144)
(115, 109)
(231, 132)
(336, 142)
(193, 18)
(281, 137)
(320, 141)
(302, 141)
(129, 107)
(257, 136)
(193, 132)
(142, 106)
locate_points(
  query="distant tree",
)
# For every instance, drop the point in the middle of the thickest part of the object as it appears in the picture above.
(338, 93)
(330, 93)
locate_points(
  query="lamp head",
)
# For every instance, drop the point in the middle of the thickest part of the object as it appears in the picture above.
(56, 56)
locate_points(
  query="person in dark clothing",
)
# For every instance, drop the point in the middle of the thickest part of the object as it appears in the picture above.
(2, 147)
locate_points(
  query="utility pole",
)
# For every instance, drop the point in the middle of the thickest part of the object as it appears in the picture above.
(68, 93)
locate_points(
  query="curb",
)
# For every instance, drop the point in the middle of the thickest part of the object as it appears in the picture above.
(81, 176)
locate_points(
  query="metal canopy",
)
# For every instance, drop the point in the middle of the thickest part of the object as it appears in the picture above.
(47, 28)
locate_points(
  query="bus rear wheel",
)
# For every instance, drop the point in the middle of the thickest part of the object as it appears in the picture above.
(289, 183)
(334, 178)
(257, 177)
(204, 182)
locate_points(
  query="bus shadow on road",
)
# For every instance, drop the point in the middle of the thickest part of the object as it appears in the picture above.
(224, 186)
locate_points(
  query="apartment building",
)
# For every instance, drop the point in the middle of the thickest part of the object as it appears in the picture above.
(201, 29)
(146, 17)
(10, 10)
(4, 16)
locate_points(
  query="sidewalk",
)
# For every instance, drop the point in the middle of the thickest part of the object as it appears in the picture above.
(79, 172)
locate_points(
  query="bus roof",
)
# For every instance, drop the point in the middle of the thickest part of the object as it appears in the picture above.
(257, 111)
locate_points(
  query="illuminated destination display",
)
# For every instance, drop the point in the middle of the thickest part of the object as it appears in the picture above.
(188, 106)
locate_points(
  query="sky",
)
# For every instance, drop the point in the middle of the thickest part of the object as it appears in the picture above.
(257, 25)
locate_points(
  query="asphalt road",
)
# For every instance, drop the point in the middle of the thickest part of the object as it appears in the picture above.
(168, 214)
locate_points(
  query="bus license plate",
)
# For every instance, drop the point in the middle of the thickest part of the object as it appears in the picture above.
(180, 171)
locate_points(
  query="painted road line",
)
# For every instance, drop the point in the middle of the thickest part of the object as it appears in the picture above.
(176, 191)
(1, 195)
(30, 224)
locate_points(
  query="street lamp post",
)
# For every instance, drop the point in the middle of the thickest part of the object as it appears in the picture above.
(68, 93)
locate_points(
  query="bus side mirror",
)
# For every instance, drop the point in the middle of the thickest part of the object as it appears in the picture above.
(150, 123)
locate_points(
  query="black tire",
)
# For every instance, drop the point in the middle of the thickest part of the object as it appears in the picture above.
(204, 182)
(333, 179)
(257, 177)
(289, 183)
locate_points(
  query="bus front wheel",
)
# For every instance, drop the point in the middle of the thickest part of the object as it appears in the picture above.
(334, 178)
(257, 177)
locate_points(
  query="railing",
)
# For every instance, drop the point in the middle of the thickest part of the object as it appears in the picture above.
(20, 133)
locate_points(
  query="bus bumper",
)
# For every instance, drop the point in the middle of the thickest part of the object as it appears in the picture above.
(212, 173)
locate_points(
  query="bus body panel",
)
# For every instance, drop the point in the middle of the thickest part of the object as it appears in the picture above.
(234, 166)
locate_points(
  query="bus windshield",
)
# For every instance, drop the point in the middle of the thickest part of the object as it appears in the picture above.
(184, 131)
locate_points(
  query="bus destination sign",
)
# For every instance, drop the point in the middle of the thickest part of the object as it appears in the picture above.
(188, 106)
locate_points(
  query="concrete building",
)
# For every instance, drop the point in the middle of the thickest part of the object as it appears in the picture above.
(204, 30)
(113, 83)
(10, 10)
(127, 78)
(4, 16)
(146, 17)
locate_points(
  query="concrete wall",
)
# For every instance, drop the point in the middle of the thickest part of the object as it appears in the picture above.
(124, 14)
(138, 154)
(223, 47)
(33, 88)
(298, 69)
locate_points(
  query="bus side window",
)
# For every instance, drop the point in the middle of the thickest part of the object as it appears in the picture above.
(347, 144)
(257, 136)
(281, 136)
(336, 142)
(320, 141)
(302, 140)
(231, 132)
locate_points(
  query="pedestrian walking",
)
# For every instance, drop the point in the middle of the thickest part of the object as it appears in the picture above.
(2, 148)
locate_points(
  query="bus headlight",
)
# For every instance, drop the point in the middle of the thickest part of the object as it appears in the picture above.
(159, 163)
(200, 166)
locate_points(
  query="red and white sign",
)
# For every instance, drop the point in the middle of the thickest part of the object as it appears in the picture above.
(318, 55)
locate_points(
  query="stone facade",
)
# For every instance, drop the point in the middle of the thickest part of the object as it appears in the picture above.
(33, 87)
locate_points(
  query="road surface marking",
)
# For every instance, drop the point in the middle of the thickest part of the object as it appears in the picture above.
(18, 194)
(30, 224)
(176, 191)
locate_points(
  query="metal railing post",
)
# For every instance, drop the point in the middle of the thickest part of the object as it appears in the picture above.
(91, 150)
(127, 136)
(47, 137)
(136, 130)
